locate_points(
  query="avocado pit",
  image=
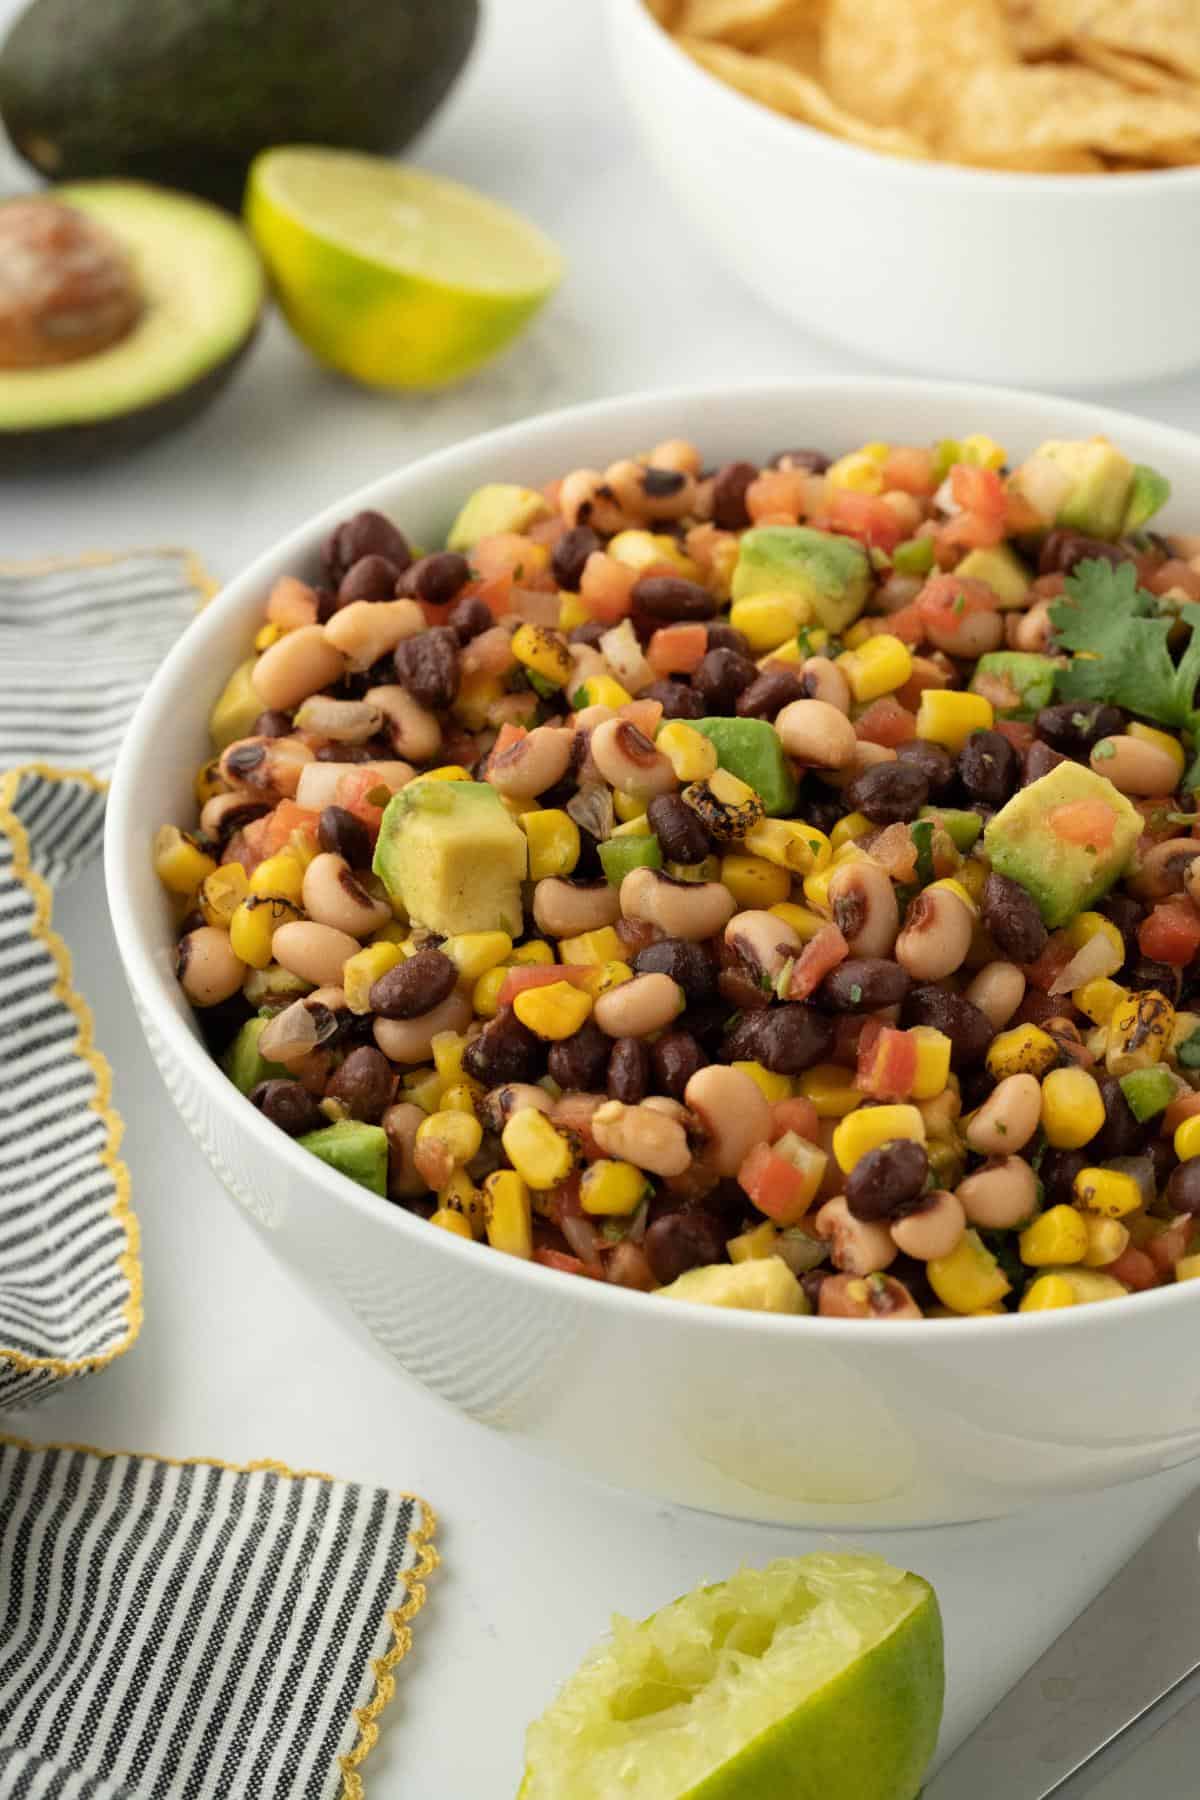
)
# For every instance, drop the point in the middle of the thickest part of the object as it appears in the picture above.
(68, 289)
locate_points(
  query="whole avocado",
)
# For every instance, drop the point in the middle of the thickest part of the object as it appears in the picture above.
(186, 92)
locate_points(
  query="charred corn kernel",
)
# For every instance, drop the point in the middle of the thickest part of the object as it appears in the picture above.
(254, 924)
(266, 635)
(1139, 1031)
(477, 691)
(831, 1090)
(456, 1134)
(543, 652)
(1106, 1240)
(1048, 1293)
(1098, 999)
(982, 451)
(1188, 1268)
(772, 1086)
(361, 971)
(485, 995)
(602, 945)
(768, 620)
(553, 1012)
(571, 612)
(1058, 1235)
(803, 922)
(725, 805)
(690, 754)
(1023, 1049)
(849, 829)
(933, 1062)
(424, 1087)
(600, 690)
(473, 953)
(603, 976)
(1072, 1108)
(753, 881)
(460, 1097)
(614, 1188)
(972, 878)
(627, 806)
(535, 954)
(460, 1195)
(1187, 1139)
(650, 549)
(879, 666)
(221, 893)
(448, 1049)
(446, 1219)
(870, 1126)
(508, 1214)
(179, 862)
(752, 1245)
(541, 1155)
(956, 888)
(639, 827)
(970, 1278)
(281, 876)
(209, 782)
(948, 717)
(860, 470)
(1162, 739)
(793, 845)
(553, 842)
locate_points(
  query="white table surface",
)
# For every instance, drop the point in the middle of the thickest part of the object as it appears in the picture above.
(234, 1359)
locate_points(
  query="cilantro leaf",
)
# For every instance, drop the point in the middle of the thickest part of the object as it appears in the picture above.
(1119, 644)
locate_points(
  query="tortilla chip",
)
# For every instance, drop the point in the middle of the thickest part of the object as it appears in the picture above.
(745, 23)
(888, 63)
(776, 85)
(1033, 36)
(1162, 31)
(800, 50)
(666, 12)
(1049, 162)
(996, 114)
(1130, 71)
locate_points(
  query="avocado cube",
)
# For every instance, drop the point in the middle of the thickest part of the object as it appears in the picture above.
(765, 1284)
(1003, 571)
(453, 857)
(1149, 494)
(1035, 839)
(1017, 682)
(357, 1150)
(237, 708)
(832, 573)
(1100, 483)
(242, 1062)
(496, 507)
(751, 750)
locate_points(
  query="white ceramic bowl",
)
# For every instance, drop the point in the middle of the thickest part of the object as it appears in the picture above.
(1051, 281)
(812, 1421)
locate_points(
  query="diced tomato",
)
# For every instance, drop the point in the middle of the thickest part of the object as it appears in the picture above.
(548, 531)
(1134, 1268)
(1186, 1106)
(645, 714)
(1057, 954)
(887, 1064)
(275, 830)
(796, 1115)
(606, 588)
(895, 852)
(1166, 1248)
(1171, 933)
(947, 600)
(1083, 822)
(910, 469)
(978, 490)
(778, 494)
(1020, 514)
(508, 735)
(1019, 732)
(567, 1265)
(819, 955)
(775, 1185)
(866, 517)
(677, 649)
(247, 845)
(926, 673)
(536, 975)
(886, 722)
(352, 791)
(511, 553)
(907, 624)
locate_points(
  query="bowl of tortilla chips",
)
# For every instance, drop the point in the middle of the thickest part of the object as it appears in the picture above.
(1005, 189)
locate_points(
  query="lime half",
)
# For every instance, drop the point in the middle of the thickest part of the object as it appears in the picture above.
(398, 278)
(816, 1678)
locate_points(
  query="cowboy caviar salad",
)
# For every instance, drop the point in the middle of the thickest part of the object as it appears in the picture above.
(774, 885)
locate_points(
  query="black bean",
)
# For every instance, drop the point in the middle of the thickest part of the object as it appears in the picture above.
(1062, 549)
(469, 618)
(676, 1056)
(1142, 973)
(769, 693)
(590, 632)
(863, 983)
(1057, 1171)
(970, 1031)
(729, 495)
(505, 1050)
(1120, 1134)
(721, 677)
(427, 665)
(660, 484)
(681, 836)
(366, 534)
(936, 765)
(889, 793)
(1126, 914)
(1013, 920)
(1183, 1188)
(683, 1240)
(989, 768)
(1039, 760)
(1074, 726)
(812, 1281)
(342, 834)
(1161, 1152)
(688, 964)
(271, 725)
(570, 555)
(364, 1084)
(581, 1061)
(289, 1106)
(242, 760)
(414, 986)
(785, 1039)
(808, 462)
(238, 817)
(669, 599)
(723, 637)
(706, 1021)
(629, 1071)
(220, 1024)
(435, 579)
(885, 1182)
(370, 578)
(677, 700)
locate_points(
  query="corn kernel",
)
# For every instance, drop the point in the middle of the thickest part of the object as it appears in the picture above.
(1139, 1031)
(477, 691)
(445, 1141)
(1048, 1293)
(602, 945)
(209, 782)
(603, 976)
(612, 1188)
(803, 922)
(535, 954)
(508, 1214)
(1098, 999)
(933, 1062)
(519, 804)
(179, 863)
(361, 971)
(554, 1012)
(870, 1126)
(753, 881)
(221, 893)
(752, 1245)
(1072, 1108)
(816, 886)
(831, 1090)
(768, 620)
(1023, 1049)
(794, 846)
(280, 876)
(969, 1278)
(649, 550)
(627, 806)
(543, 652)
(1087, 925)
(639, 827)
(731, 790)
(972, 878)
(981, 451)
(446, 1219)
(947, 717)
(1106, 1240)
(772, 1086)
(1185, 1024)
(1163, 739)
(553, 842)
(879, 666)
(485, 995)
(266, 635)
(1058, 1235)
(571, 612)
(1107, 1191)
(424, 1087)
(1188, 1268)
(600, 690)
(460, 1195)
(859, 470)
(540, 1154)
(473, 953)
(253, 926)
(460, 1096)
(448, 1049)
(849, 829)
(692, 756)
(1187, 1138)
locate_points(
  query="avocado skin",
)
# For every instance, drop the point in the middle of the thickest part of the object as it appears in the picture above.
(186, 92)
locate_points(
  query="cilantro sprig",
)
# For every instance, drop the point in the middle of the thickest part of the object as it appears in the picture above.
(1118, 638)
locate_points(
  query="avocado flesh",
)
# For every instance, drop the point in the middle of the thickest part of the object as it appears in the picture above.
(453, 857)
(1101, 479)
(357, 1150)
(1017, 682)
(1149, 494)
(765, 1284)
(203, 291)
(497, 507)
(1063, 878)
(1003, 571)
(751, 750)
(243, 1062)
(832, 573)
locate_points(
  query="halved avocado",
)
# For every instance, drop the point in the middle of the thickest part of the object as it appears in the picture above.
(202, 290)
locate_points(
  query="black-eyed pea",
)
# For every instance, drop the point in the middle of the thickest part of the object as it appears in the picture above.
(321, 782)
(628, 761)
(500, 1103)
(733, 1111)
(341, 721)
(937, 935)
(333, 895)
(691, 910)
(583, 499)
(1031, 630)
(207, 968)
(675, 453)
(367, 630)
(534, 763)
(300, 663)
(1169, 868)
(967, 635)
(861, 1297)
(410, 1041)
(823, 680)
(864, 906)
(1008, 1117)
(312, 951)
(414, 731)
(817, 734)
(639, 1007)
(933, 1229)
(1134, 766)
(270, 768)
(997, 991)
(567, 908)
(643, 1136)
(856, 1247)
(1000, 1195)
(400, 1124)
(763, 942)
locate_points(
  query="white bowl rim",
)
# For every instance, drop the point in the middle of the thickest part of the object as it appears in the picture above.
(931, 173)
(125, 837)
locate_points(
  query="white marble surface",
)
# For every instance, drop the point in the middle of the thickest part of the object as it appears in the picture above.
(234, 1360)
